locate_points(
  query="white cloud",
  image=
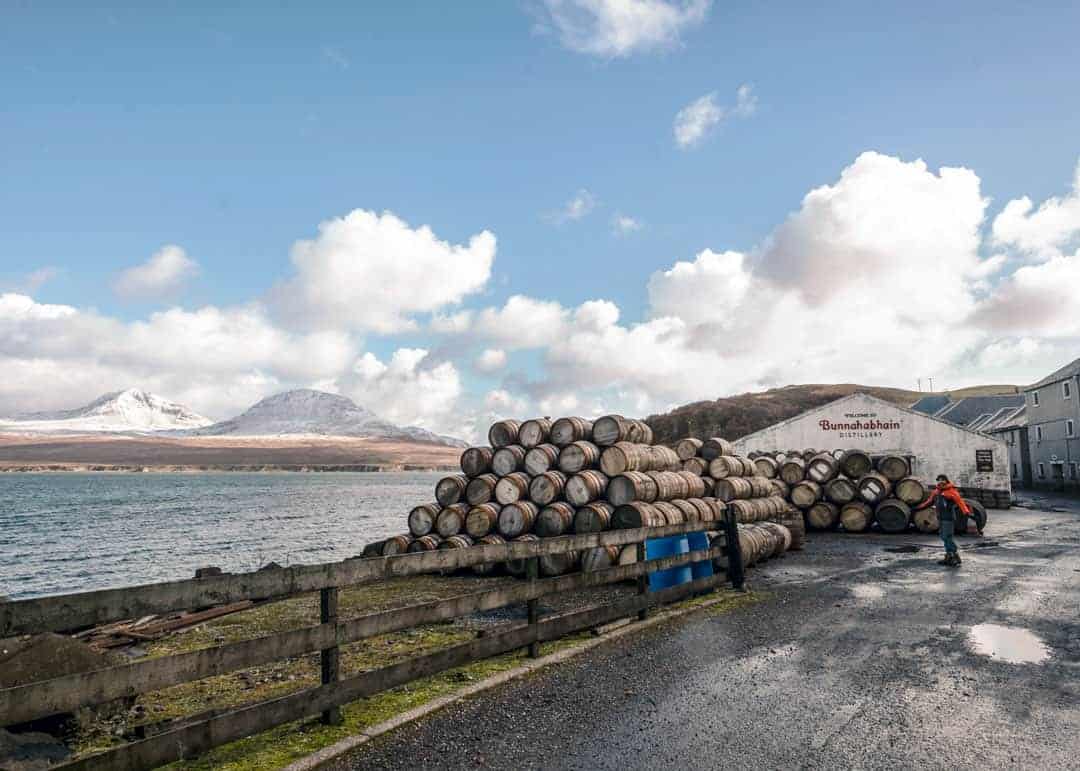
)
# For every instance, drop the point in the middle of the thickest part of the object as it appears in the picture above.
(745, 101)
(623, 225)
(335, 57)
(619, 28)
(372, 272)
(491, 360)
(575, 209)
(1036, 300)
(523, 322)
(410, 389)
(452, 323)
(1044, 232)
(696, 120)
(165, 273)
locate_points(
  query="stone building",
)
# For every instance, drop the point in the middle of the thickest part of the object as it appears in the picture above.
(1053, 429)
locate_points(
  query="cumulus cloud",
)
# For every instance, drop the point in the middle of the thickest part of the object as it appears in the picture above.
(745, 101)
(409, 389)
(165, 273)
(619, 28)
(522, 322)
(624, 225)
(491, 360)
(575, 209)
(697, 120)
(1041, 233)
(1039, 300)
(372, 272)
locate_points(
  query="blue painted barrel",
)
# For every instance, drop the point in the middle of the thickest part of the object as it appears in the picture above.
(667, 547)
(699, 542)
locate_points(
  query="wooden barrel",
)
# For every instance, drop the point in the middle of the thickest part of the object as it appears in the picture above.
(893, 515)
(808, 454)
(783, 535)
(554, 519)
(425, 543)
(910, 490)
(593, 517)
(534, 432)
(822, 468)
(698, 466)
(457, 542)
(855, 463)
(373, 549)
(476, 461)
(451, 489)
(578, 456)
(557, 564)
(760, 487)
(766, 467)
(823, 516)
(623, 456)
(482, 519)
(585, 487)
(609, 429)
(628, 554)
(724, 466)
(422, 519)
(636, 514)
(513, 487)
(663, 458)
(714, 447)
(780, 487)
(805, 494)
(894, 467)
(874, 488)
(451, 520)
(710, 486)
(793, 470)
(600, 558)
(487, 568)
(926, 520)
(714, 510)
(732, 488)
(541, 458)
(695, 485)
(690, 512)
(688, 448)
(671, 513)
(508, 459)
(517, 567)
(796, 525)
(840, 490)
(631, 486)
(668, 485)
(517, 518)
(481, 489)
(567, 430)
(856, 516)
(398, 544)
(503, 433)
(547, 487)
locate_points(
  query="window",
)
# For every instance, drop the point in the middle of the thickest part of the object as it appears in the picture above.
(1016, 471)
(1035, 398)
(1038, 433)
(1066, 390)
(1042, 471)
(1012, 437)
(1068, 428)
(1072, 471)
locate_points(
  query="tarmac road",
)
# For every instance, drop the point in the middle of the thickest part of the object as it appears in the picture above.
(858, 658)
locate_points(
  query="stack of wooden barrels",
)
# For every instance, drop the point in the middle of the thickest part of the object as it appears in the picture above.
(757, 542)
(850, 489)
(542, 478)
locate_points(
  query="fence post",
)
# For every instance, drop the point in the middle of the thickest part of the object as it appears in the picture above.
(642, 581)
(330, 658)
(532, 572)
(734, 554)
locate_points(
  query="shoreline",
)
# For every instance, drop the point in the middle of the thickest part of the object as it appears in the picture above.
(256, 468)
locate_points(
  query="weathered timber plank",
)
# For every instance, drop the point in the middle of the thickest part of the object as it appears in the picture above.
(192, 740)
(70, 611)
(65, 694)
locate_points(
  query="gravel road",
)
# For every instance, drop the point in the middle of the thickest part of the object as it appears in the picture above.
(857, 658)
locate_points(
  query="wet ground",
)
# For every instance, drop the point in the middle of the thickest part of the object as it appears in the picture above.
(858, 658)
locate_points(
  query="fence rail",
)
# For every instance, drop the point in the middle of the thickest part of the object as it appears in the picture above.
(68, 693)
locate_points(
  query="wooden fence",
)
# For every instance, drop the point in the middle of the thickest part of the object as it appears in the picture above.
(198, 734)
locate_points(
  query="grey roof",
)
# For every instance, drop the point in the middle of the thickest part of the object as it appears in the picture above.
(928, 405)
(963, 411)
(1069, 370)
(1008, 418)
(977, 423)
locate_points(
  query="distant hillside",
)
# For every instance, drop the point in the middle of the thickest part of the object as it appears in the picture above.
(132, 410)
(736, 416)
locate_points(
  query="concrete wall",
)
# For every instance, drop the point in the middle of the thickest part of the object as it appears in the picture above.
(880, 427)
(1011, 437)
(1056, 450)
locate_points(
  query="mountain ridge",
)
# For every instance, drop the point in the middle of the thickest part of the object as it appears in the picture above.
(132, 409)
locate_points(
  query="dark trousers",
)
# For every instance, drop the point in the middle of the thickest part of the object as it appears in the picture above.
(947, 528)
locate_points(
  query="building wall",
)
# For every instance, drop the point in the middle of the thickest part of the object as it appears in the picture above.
(939, 447)
(1058, 452)
(1012, 438)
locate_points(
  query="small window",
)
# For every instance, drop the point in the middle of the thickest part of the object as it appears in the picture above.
(1072, 471)
(1068, 428)
(1016, 471)
(1012, 437)
(1038, 433)
(1066, 390)
(1042, 471)
(1035, 398)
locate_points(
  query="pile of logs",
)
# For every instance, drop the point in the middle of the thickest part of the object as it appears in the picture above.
(542, 478)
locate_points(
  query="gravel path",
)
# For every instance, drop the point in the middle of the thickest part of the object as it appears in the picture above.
(858, 658)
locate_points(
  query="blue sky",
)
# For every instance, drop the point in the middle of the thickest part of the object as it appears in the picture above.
(232, 133)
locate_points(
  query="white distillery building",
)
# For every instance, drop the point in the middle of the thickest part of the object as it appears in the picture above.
(976, 462)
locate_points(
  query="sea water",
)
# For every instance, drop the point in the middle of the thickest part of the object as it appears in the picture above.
(68, 532)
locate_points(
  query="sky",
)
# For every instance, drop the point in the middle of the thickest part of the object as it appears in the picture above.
(455, 212)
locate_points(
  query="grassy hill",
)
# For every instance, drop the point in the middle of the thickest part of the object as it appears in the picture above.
(735, 416)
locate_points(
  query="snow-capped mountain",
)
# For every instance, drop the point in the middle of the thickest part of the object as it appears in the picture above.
(306, 411)
(132, 410)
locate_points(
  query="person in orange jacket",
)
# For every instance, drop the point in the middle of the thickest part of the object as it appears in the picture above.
(947, 500)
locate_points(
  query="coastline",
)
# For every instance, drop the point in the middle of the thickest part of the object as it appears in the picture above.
(107, 468)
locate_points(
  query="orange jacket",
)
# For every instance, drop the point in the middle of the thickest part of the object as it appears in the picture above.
(950, 492)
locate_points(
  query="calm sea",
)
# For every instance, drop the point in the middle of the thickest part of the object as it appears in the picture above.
(75, 532)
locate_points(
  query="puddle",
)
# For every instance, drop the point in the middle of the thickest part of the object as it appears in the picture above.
(1008, 643)
(867, 591)
(907, 549)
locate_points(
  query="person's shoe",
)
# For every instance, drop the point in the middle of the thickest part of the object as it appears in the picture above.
(947, 561)
(956, 559)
